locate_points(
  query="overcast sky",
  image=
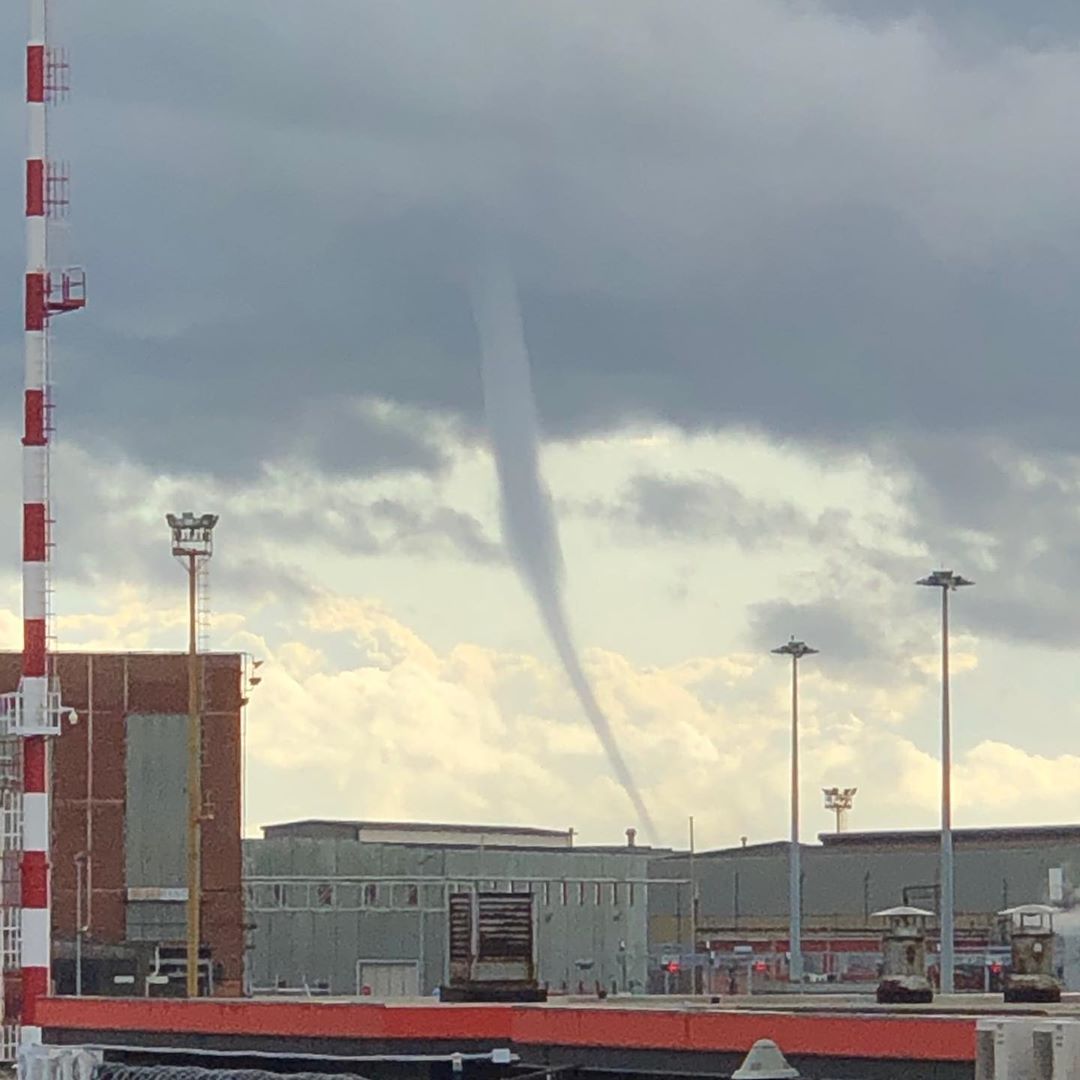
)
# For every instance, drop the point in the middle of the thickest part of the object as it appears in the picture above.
(798, 286)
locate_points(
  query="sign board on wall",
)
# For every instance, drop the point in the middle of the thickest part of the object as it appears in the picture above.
(178, 896)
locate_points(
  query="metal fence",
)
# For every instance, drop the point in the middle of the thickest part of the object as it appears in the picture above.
(109, 1071)
(759, 971)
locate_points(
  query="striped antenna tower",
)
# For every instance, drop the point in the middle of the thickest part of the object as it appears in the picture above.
(34, 712)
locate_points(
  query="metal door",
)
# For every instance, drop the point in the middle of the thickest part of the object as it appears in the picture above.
(384, 979)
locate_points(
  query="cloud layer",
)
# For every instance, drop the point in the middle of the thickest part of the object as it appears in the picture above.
(475, 734)
(791, 217)
(799, 280)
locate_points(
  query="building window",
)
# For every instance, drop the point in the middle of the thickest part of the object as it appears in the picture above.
(264, 896)
(324, 894)
(545, 894)
(406, 896)
(562, 893)
(581, 892)
(630, 893)
(371, 894)
(614, 894)
(598, 893)
(260, 897)
(433, 897)
(346, 896)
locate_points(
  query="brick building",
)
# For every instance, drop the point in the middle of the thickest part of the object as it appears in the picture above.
(119, 813)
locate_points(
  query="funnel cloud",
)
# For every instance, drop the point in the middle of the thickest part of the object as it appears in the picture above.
(528, 518)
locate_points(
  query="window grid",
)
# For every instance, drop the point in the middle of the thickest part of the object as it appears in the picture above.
(405, 895)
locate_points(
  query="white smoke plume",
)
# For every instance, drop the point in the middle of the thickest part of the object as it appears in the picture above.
(528, 518)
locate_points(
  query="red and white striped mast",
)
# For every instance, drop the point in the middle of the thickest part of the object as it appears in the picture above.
(34, 711)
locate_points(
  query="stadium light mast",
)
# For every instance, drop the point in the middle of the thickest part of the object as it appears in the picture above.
(947, 582)
(840, 801)
(796, 650)
(193, 545)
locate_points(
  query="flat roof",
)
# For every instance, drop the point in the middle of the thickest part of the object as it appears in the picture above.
(766, 847)
(916, 837)
(884, 838)
(419, 826)
(61, 651)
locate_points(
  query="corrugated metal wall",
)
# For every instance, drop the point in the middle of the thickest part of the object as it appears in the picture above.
(838, 883)
(155, 838)
(157, 921)
(316, 915)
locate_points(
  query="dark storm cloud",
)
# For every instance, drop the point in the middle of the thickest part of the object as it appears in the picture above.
(1009, 520)
(800, 218)
(832, 626)
(710, 508)
(841, 223)
(103, 537)
(419, 529)
(990, 23)
(250, 578)
(111, 526)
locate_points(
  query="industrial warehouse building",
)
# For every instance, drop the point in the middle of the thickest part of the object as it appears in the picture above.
(742, 896)
(361, 907)
(354, 908)
(119, 815)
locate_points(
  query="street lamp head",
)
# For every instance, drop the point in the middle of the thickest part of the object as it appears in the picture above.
(944, 579)
(797, 649)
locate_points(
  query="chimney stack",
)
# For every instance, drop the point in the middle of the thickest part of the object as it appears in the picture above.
(631, 837)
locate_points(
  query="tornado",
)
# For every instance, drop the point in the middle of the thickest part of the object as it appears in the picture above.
(530, 530)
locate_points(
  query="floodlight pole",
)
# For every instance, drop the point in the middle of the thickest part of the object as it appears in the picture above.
(796, 650)
(948, 582)
(192, 545)
(194, 786)
(948, 885)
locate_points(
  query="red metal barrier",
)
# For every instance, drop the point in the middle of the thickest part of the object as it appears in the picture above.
(882, 1036)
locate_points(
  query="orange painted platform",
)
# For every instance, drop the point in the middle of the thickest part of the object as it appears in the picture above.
(825, 1032)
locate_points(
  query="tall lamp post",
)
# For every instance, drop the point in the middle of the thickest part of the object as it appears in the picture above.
(947, 582)
(796, 650)
(192, 545)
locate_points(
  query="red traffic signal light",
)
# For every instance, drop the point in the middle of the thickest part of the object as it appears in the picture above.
(672, 968)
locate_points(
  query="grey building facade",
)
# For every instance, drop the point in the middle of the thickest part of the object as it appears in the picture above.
(338, 911)
(742, 894)
(848, 876)
(352, 907)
